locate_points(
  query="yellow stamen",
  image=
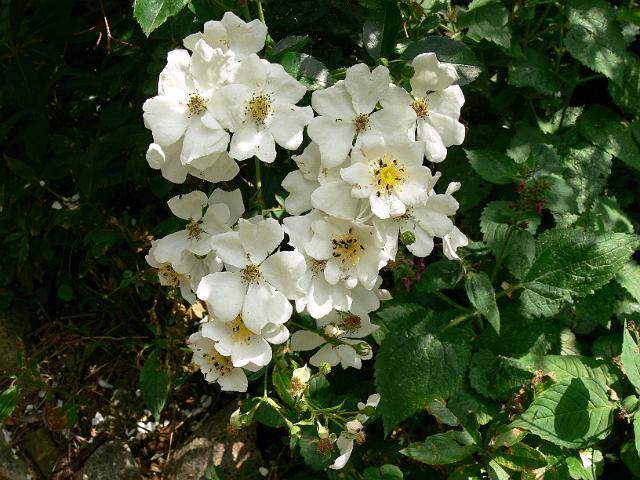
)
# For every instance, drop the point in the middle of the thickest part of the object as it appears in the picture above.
(218, 361)
(250, 273)
(388, 175)
(197, 104)
(194, 230)
(347, 247)
(421, 107)
(167, 272)
(362, 122)
(241, 333)
(259, 108)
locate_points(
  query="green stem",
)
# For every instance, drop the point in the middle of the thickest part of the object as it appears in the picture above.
(245, 10)
(260, 12)
(259, 185)
(476, 313)
(451, 302)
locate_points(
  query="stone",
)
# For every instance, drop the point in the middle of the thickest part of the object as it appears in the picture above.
(42, 451)
(12, 467)
(111, 461)
(232, 453)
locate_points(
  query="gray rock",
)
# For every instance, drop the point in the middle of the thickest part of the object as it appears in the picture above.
(232, 453)
(111, 461)
(12, 467)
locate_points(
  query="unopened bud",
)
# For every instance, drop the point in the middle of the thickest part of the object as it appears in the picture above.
(362, 349)
(240, 420)
(408, 238)
(331, 330)
(325, 368)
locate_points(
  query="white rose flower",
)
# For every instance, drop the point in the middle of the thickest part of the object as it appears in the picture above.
(425, 221)
(206, 217)
(348, 349)
(321, 297)
(180, 111)
(345, 112)
(256, 283)
(303, 182)
(453, 241)
(185, 273)
(241, 344)
(353, 433)
(387, 173)
(435, 103)
(259, 108)
(233, 34)
(299, 380)
(167, 159)
(353, 251)
(217, 367)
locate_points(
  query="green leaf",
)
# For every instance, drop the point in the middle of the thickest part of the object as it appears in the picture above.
(449, 51)
(307, 70)
(574, 366)
(534, 69)
(629, 279)
(438, 409)
(572, 263)
(487, 19)
(154, 383)
(281, 379)
(595, 37)
(586, 171)
(309, 450)
(381, 29)
(573, 413)
(413, 366)
(442, 448)
(495, 167)
(21, 169)
(608, 131)
(153, 13)
(482, 296)
(606, 216)
(439, 275)
(631, 358)
(521, 251)
(211, 473)
(292, 43)
(9, 401)
(578, 469)
(520, 457)
(636, 431)
(626, 90)
(497, 377)
(65, 292)
(385, 472)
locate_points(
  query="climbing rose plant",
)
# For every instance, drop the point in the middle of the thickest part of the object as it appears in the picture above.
(511, 356)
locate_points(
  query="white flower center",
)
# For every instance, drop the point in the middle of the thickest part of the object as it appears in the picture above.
(197, 104)
(167, 272)
(251, 273)
(194, 230)
(219, 362)
(421, 107)
(361, 121)
(347, 247)
(259, 108)
(240, 333)
(388, 175)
